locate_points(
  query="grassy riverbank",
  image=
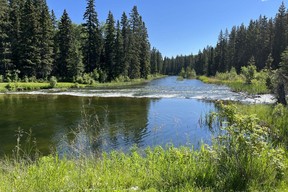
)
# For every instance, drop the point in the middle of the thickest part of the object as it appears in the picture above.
(24, 86)
(238, 82)
(244, 158)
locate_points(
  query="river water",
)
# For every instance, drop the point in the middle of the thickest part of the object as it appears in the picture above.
(164, 111)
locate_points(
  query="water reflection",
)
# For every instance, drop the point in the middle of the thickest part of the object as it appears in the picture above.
(105, 123)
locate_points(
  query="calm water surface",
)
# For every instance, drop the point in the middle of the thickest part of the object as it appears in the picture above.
(161, 112)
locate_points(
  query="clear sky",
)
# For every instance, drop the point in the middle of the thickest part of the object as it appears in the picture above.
(177, 26)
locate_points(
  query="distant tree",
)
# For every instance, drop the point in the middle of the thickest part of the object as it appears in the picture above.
(29, 41)
(126, 32)
(75, 66)
(282, 79)
(249, 71)
(45, 43)
(119, 53)
(144, 53)
(135, 44)
(279, 42)
(110, 46)
(16, 7)
(65, 42)
(92, 46)
(5, 43)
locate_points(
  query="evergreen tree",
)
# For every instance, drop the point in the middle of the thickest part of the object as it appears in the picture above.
(5, 44)
(29, 41)
(153, 61)
(110, 46)
(279, 43)
(119, 52)
(144, 53)
(126, 32)
(46, 43)
(75, 65)
(16, 7)
(134, 44)
(65, 43)
(92, 47)
(281, 87)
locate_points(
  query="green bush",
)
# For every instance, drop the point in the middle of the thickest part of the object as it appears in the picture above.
(53, 82)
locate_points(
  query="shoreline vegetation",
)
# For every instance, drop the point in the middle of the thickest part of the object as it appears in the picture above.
(248, 155)
(249, 80)
(27, 86)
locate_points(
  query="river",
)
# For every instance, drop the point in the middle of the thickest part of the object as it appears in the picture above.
(164, 111)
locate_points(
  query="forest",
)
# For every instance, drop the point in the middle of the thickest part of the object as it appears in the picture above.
(35, 45)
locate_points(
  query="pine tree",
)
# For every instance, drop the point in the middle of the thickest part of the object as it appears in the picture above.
(45, 43)
(144, 52)
(75, 65)
(126, 32)
(119, 53)
(16, 7)
(279, 43)
(65, 42)
(29, 41)
(110, 46)
(5, 44)
(134, 44)
(92, 47)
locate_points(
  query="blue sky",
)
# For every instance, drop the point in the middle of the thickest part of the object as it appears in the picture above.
(177, 26)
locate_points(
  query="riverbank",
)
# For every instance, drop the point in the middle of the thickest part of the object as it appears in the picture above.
(28, 86)
(244, 158)
(238, 85)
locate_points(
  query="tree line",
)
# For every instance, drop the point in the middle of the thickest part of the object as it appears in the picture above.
(35, 45)
(263, 40)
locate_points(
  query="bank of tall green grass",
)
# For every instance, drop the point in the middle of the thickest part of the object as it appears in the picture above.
(237, 82)
(244, 157)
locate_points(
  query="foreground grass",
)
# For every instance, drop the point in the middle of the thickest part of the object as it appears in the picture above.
(172, 169)
(22, 86)
(243, 158)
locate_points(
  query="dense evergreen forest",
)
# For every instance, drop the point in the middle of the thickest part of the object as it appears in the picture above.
(35, 45)
(263, 40)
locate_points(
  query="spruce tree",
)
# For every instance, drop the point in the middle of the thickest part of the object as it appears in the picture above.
(64, 42)
(29, 41)
(109, 46)
(279, 43)
(5, 44)
(16, 7)
(119, 53)
(126, 32)
(45, 43)
(92, 47)
(144, 52)
(75, 65)
(134, 44)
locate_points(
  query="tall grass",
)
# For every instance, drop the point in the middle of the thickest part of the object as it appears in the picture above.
(242, 158)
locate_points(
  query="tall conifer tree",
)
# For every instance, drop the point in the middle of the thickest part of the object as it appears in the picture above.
(92, 38)
(64, 41)
(45, 43)
(29, 40)
(119, 52)
(110, 46)
(5, 44)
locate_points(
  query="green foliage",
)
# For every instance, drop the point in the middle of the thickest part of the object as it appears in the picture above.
(249, 71)
(53, 81)
(247, 152)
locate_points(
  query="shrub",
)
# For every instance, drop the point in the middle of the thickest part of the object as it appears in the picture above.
(53, 81)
